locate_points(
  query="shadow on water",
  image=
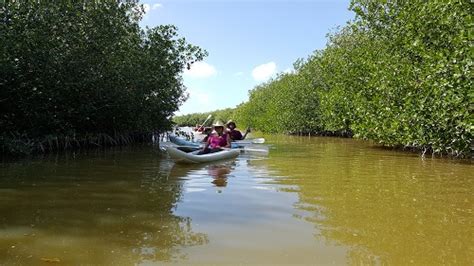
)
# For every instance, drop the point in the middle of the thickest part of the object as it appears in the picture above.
(106, 207)
(385, 206)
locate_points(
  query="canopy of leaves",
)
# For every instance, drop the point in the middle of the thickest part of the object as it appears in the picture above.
(399, 74)
(194, 119)
(74, 68)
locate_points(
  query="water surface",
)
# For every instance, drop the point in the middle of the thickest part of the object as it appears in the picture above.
(310, 200)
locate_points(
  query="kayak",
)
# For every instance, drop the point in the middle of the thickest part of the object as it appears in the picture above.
(182, 142)
(234, 144)
(193, 157)
(199, 136)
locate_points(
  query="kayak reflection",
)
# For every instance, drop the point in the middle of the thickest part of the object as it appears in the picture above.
(184, 171)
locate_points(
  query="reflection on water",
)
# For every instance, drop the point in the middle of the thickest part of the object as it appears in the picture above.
(103, 208)
(219, 171)
(310, 201)
(388, 207)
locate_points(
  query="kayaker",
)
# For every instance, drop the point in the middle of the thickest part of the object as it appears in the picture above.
(234, 133)
(218, 140)
(207, 131)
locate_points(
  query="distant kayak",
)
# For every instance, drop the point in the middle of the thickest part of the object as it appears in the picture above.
(183, 142)
(192, 157)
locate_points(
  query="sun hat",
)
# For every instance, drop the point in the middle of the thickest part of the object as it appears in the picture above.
(218, 123)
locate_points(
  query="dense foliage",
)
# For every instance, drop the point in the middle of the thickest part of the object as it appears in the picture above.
(399, 74)
(194, 119)
(85, 71)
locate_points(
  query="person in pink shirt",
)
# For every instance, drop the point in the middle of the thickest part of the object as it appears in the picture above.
(218, 140)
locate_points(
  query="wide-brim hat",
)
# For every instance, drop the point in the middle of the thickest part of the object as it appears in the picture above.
(218, 124)
(230, 122)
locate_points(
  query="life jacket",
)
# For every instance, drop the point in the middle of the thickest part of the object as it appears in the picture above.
(216, 140)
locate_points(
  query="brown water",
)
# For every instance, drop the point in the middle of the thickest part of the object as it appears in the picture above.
(309, 201)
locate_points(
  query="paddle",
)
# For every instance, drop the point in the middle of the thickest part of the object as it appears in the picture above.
(209, 116)
(249, 149)
(250, 141)
(258, 140)
(246, 149)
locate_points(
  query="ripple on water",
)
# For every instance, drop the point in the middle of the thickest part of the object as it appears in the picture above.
(310, 201)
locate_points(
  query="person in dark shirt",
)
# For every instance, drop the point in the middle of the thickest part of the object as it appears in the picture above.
(234, 133)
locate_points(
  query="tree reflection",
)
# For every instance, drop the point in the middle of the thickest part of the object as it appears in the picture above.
(112, 208)
(388, 207)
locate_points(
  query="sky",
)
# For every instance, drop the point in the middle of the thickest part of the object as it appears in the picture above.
(248, 42)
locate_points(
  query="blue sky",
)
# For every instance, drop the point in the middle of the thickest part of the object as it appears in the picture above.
(248, 41)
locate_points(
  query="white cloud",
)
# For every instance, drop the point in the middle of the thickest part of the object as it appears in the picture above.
(201, 70)
(156, 6)
(264, 72)
(148, 7)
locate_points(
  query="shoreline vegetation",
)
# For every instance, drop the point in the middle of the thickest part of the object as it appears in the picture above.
(76, 75)
(399, 74)
(81, 75)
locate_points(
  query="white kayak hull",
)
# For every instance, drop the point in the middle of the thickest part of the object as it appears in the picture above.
(192, 157)
(234, 144)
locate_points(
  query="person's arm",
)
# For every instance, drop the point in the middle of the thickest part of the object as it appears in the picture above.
(207, 143)
(228, 141)
(246, 132)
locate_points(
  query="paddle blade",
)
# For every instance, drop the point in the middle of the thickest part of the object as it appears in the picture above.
(258, 141)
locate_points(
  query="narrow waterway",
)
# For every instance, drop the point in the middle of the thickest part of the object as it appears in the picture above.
(308, 201)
